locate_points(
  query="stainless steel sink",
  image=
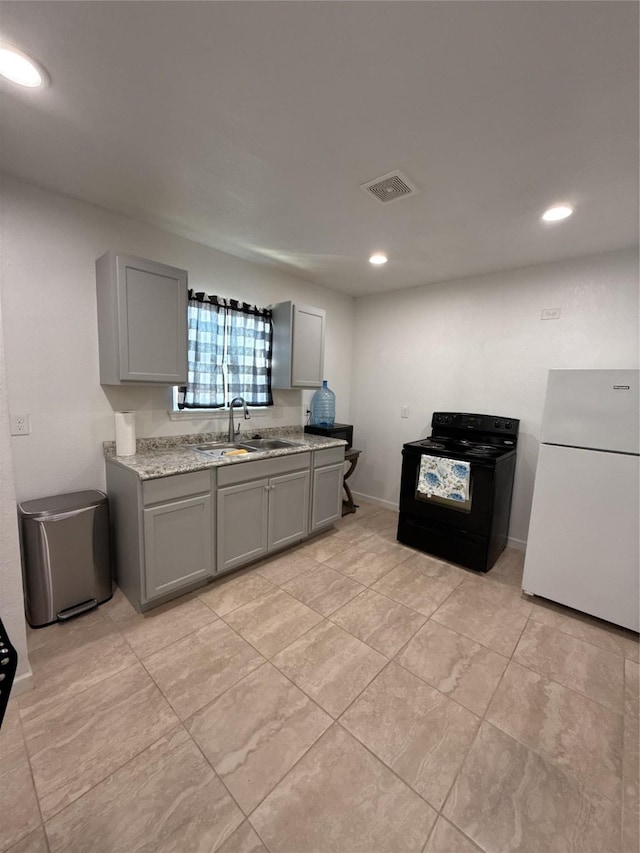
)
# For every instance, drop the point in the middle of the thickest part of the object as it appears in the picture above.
(224, 448)
(268, 443)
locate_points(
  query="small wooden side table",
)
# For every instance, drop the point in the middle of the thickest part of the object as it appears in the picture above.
(351, 456)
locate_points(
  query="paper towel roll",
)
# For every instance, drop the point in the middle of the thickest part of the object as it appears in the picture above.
(125, 433)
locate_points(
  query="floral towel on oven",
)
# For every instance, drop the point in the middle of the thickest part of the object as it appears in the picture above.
(443, 478)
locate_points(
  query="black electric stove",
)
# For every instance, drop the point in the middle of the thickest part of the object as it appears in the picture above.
(467, 527)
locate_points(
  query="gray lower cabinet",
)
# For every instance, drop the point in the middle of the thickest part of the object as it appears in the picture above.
(267, 511)
(177, 545)
(328, 478)
(163, 533)
(288, 509)
(243, 515)
(175, 533)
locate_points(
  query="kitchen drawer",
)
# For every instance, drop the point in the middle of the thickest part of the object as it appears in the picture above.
(328, 456)
(177, 486)
(242, 472)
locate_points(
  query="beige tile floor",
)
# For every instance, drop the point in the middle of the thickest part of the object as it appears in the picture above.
(349, 695)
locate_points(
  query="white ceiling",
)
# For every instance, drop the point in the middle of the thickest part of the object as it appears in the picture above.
(249, 126)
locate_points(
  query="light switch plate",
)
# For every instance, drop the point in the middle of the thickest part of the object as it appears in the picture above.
(404, 411)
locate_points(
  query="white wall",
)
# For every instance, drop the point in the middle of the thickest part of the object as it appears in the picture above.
(50, 244)
(11, 600)
(474, 345)
(479, 345)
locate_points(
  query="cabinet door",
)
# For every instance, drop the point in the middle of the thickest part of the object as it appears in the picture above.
(288, 509)
(307, 357)
(177, 541)
(152, 321)
(242, 523)
(327, 495)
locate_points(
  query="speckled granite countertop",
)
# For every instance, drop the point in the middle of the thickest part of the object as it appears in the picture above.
(162, 457)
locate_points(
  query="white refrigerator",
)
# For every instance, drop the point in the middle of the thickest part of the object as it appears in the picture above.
(582, 548)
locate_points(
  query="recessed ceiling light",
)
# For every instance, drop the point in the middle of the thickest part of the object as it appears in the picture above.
(20, 68)
(378, 259)
(555, 214)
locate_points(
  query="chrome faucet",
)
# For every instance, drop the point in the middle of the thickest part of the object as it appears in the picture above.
(232, 431)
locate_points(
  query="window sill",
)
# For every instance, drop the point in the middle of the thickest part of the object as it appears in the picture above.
(218, 414)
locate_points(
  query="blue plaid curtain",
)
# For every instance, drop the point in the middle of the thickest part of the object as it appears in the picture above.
(229, 350)
(249, 354)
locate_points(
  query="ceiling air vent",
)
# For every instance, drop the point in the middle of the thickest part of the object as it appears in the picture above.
(390, 187)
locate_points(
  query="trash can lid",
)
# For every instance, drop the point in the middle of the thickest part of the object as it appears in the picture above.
(56, 504)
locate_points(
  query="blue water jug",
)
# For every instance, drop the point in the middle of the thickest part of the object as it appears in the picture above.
(323, 407)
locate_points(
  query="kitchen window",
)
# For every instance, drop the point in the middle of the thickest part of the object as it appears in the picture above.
(229, 353)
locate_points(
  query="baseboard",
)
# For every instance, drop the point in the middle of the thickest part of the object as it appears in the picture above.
(22, 683)
(518, 544)
(378, 501)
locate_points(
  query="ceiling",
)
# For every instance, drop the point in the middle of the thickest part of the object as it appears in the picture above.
(250, 126)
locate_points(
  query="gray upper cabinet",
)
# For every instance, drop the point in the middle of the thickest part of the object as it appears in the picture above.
(298, 345)
(142, 321)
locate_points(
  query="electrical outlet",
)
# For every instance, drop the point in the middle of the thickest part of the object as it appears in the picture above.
(550, 314)
(404, 411)
(20, 425)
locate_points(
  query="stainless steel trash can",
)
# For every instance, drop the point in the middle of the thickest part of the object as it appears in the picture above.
(66, 559)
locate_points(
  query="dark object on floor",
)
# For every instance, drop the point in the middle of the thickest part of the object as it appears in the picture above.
(8, 667)
(350, 456)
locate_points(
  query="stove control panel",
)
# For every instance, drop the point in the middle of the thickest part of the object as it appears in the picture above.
(476, 423)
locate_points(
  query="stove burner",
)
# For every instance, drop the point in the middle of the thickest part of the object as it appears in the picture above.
(481, 450)
(477, 449)
(435, 445)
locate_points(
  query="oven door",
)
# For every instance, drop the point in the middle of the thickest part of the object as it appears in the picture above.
(472, 515)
